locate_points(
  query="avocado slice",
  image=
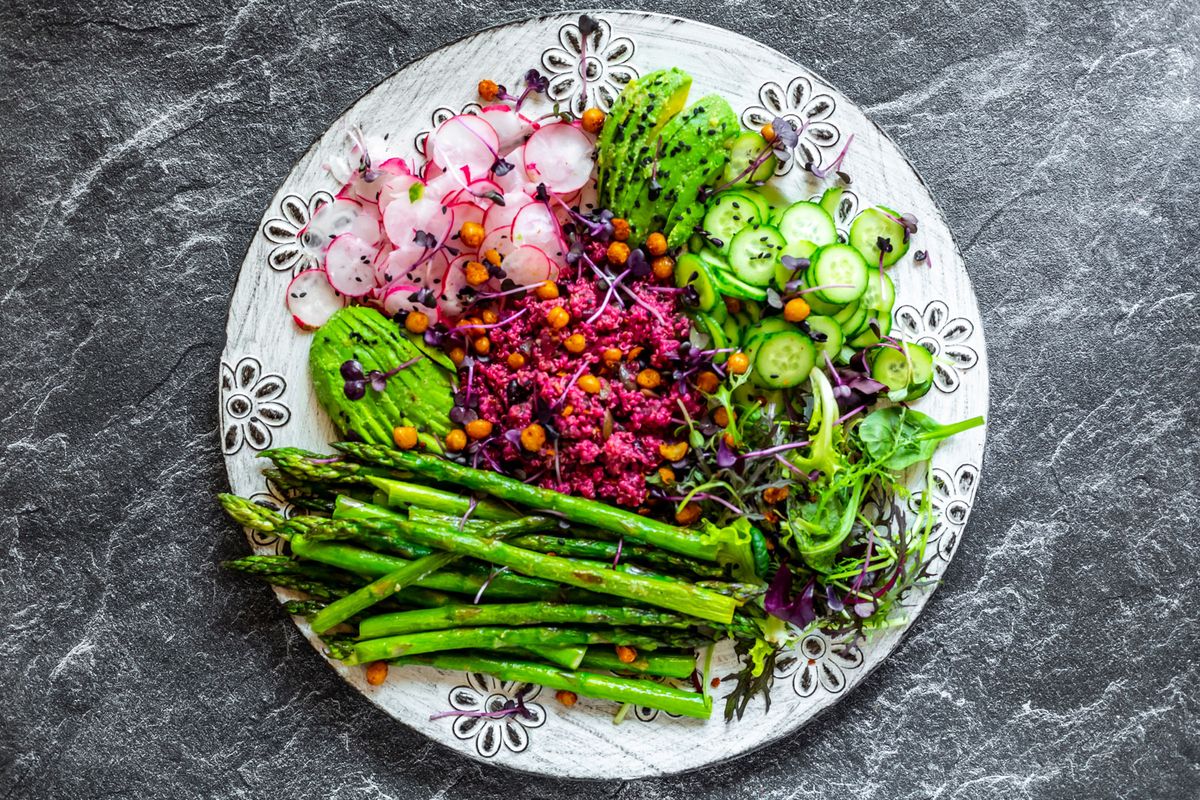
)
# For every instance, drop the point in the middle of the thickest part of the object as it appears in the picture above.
(420, 395)
(633, 125)
(692, 157)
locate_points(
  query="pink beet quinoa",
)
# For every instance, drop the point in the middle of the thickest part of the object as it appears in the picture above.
(608, 442)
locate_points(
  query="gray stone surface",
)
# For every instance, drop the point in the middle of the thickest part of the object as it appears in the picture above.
(140, 144)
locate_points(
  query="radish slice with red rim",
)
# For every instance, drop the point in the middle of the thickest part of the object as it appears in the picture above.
(464, 144)
(536, 225)
(560, 156)
(498, 240)
(511, 127)
(350, 265)
(500, 217)
(403, 219)
(311, 300)
(403, 297)
(516, 179)
(328, 222)
(526, 265)
(400, 186)
(454, 280)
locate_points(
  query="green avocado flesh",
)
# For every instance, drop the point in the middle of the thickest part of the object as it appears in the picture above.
(419, 395)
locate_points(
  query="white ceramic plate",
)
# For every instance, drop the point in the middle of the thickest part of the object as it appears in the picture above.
(266, 398)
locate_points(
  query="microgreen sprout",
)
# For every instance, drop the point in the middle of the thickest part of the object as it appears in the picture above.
(355, 381)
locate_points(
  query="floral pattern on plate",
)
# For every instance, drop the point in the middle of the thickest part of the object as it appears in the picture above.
(943, 336)
(484, 693)
(292, 252)
(588, 71)
(250, 405)
(950, 500)
(808, 109)
(821, 662)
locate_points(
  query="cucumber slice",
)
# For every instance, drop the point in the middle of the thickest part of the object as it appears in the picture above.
(730, 285)
(868, 337)
(716, 333)
(783, 360)
(754, 252)
(754, 334)
(831, 199)
(695, 243)
(819, 306)
(745, 149)
(834, 338)
(733, 331)
(691, 270)
(783, 275)
(854, 324)
(880, 294)
(719, 312)
(806, 222)
(901, 370)
(873, 224)
(922, 363)
(752, 310)
(844, 314)
(728, 214)
(840, 266)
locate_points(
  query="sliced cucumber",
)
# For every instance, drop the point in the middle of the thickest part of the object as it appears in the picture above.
(853, 324)
(830, 201)
(733, 331)
(872, 225)
(868, 337)
(783, 275)
(745, 149)
(691, 270)
(881, 292)
(845, 314)
(695, 243)
(834, 338)
(730, 285)
(783, 360)
(806, 222)
(901, 370)
(842, 270)
(753, 334)
(728, 213)
(715, 332)
(819, 306)
(719, 312)
(754, 252)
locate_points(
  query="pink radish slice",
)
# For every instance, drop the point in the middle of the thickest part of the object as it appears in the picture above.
(586, 201)
(403, 219)
(498, 240)
(350, 265)
(526, 265)
(400, 297)
(399, 186)
(511, 127)
(400, 264)
(516, 179)
(329, 221)
(480, 192)
(311, 300)
(464, 213)
(500, 217)
(453, 281)
(536, 225)
(560, 156)
(367, 226)
(445, 184)
(465, 144)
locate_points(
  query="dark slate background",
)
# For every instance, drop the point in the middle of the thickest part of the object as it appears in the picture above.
(140, 143)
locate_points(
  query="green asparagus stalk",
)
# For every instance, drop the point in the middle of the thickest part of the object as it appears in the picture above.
(511, 614)
(304, 465)
(596, 550)
(576, 509)
(402, 495)
(410, 644)
(675, 595)
(568, 656)
(394, 581)
(587, 684)
(316, 529)
(251, 515)
(667, 665)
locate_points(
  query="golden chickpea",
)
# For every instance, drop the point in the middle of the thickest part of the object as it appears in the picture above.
(471, 234)
(477, 273)
(768, 132)
(488, 90)
(457, 355)
(634, 353)
(377, 672)
(775, 494)
(738, 363)
(567, 698)
(516, 360)
(479, 429)
(612, 355)
(568, 410)
(533, 437)
(593, 120)
(796, 310)
(673, 452)
(666, 475)
(547, 290)
(649, 378)
(490, 317)
(618, 253)
(688, 514)
(405, 437)
(416, 322)
(456, 440)
(656, 244)
(492, 257)
(626, 654)
(589, 384)
(576, 343)
(707, 381)
(721, 417)
(558, 317)
(620, 229)
(471, 326)
(482, 345)
(663, 267)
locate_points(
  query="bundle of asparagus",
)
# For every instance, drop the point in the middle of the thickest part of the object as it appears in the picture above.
(428, 562)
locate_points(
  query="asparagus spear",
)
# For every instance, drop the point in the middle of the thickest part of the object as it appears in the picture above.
(511, 614)
(576, 509)
(362, 599)
(304, 465)
(568, 656)
(411, 644)
(667, 665)
(588, 684)
(251, 515)
(595, 550)
(675, 595)
(401, 494)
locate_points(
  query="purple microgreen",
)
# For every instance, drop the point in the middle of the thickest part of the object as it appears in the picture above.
(848, 415)
(574, 378)
(510, 708)
(778, 601)
(479, 326)
(770, 451)
(462, 523)
(377, 380)
(617, 557)
(726, 457)
(612, 288)
(836, 166)
(352, 371)
(785, 133)
(488, 582)
(832, 600)
(653, 311)
(774, 300)
(807, 476)
(425, 239)
(638, 264)
(906, 221)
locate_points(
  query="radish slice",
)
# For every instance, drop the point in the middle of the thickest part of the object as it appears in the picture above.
(464, 144)
(498, 240)
(516, 179)
(464, 213)
(526, 265)
(329, 221)
(350, 265)
(400, 264)
(586, 201)
(536, 225)
(311, 300)
(500, 217)
(401, 297)
(560, 156)
(444, 184)
(453, 281)
(403, 219)
(367, 225)
(480, 192)
(511, 127)
(399, 186)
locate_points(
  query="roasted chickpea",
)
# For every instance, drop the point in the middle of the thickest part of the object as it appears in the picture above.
(593, 120)
(558, 317)
(405, 437)
(618, 253)
(649, 379)
(457, 355)
(456, 440)
(707, 381)
(589, 384)
(688, 514)
(656, 244)
(533, 437)
(516, 360)
(548, 290)
(626, 654)
(673, 452)
(416, 322)
(471, 234)
(479, 429)
(488, 89)
(377, 672)
(566, 697)
(663, 267)
(796, 310)
(738, 363)
(576, 343)
(477, 273)
(620, 229)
